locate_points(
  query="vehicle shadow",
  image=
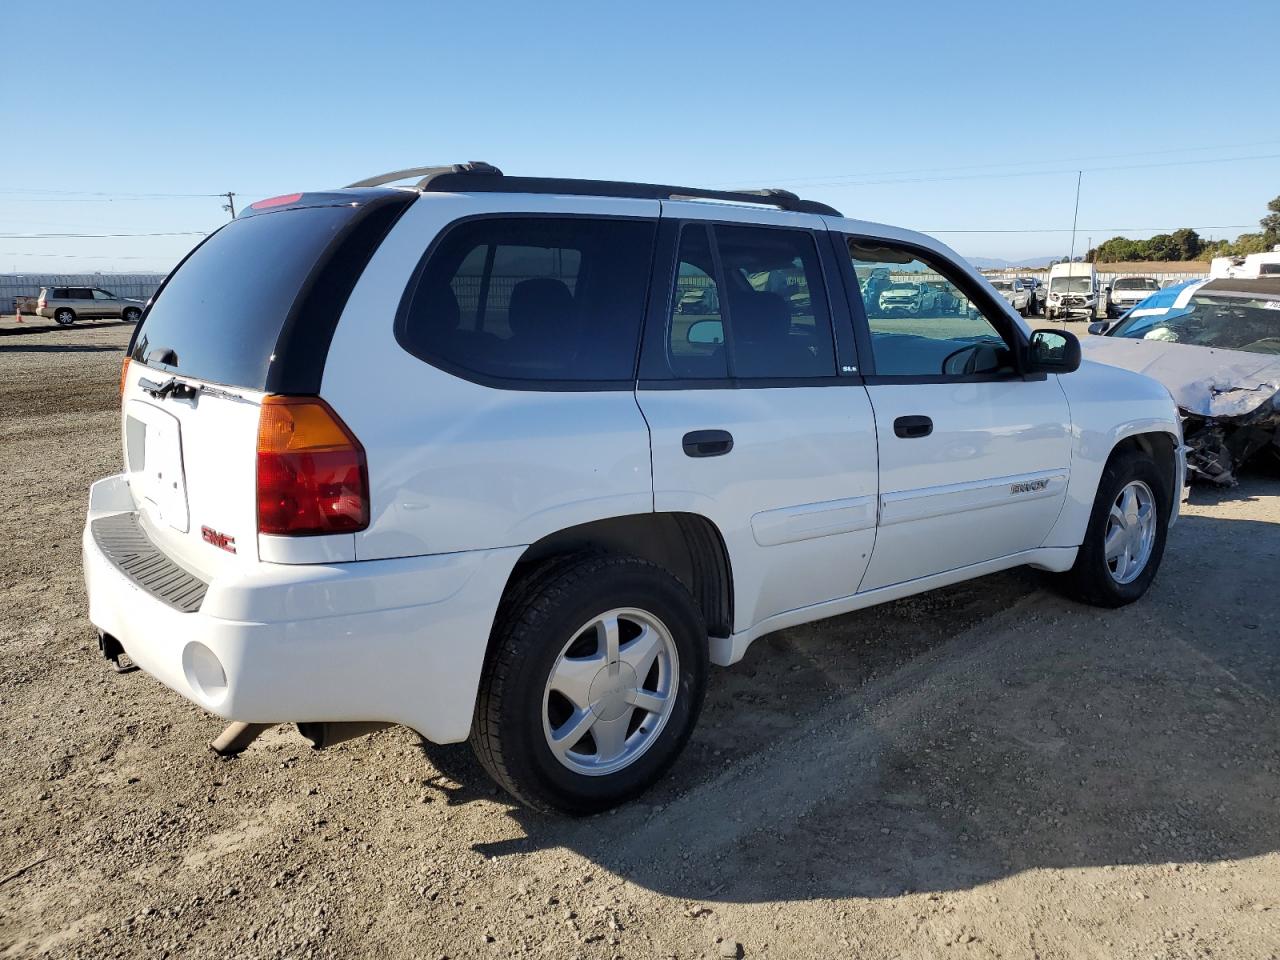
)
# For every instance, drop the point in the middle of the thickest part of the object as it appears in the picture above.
(20, 347)
(879, 752)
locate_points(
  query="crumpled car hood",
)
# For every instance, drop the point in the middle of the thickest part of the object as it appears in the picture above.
(1203, 380)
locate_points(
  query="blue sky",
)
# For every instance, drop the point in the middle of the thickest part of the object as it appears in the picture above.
(939, 116)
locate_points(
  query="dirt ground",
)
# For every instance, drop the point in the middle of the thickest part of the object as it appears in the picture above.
(987, 771)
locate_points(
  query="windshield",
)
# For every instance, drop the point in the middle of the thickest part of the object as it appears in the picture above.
(1229, 323)
(1135, 283)
(1071, 285)
(1002, 285)
(902, 288)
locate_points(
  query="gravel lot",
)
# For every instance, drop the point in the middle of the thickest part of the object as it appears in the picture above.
(988, 771)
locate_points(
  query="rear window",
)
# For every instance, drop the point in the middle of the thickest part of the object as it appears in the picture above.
(220, 314)
(532, 299)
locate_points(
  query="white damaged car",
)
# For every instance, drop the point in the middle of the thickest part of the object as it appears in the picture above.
(1216, 345)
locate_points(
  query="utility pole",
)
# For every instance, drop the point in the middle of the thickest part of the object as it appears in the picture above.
(231, 203)
(1071, 258)
(1075, 217)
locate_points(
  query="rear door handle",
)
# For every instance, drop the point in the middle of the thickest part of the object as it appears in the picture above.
(707, 443)
(911, 427)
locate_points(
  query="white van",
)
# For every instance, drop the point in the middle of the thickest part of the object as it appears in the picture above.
(1073, 289)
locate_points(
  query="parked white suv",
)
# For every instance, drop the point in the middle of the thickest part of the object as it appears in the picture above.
(467, 456)
(1015, 293)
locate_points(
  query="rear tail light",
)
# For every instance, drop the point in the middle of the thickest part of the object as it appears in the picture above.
(124, 374)
(312, 475)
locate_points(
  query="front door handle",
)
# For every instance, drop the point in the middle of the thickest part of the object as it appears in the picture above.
(911, 427)
(707, 443)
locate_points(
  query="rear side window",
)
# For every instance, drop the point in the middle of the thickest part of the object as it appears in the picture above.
(532, 299)
(220, 314)
(757, 311)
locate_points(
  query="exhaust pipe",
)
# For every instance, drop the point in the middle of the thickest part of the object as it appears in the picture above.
(233, 740)
(326, 734)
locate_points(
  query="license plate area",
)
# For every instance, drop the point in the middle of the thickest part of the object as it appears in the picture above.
(153, 450)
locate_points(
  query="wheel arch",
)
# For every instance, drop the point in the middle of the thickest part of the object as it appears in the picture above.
(688, 545)
(1164, 446)
(1156, 436)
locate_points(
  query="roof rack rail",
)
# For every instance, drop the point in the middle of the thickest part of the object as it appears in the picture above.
(480, 177)
(426, 173)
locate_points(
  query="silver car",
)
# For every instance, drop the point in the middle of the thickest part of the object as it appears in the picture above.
(66, 305)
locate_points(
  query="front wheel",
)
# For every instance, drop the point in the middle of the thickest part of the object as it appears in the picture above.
(64, 317)
(594, 681)
(1124, 542)
(131, 315)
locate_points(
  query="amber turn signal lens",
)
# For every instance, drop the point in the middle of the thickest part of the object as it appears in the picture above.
(124, 373)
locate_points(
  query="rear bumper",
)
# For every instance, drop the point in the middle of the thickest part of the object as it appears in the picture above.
(401, 641)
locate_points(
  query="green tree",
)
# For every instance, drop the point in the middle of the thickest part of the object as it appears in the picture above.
(1271, 224)
(1161, 247)
(1188, 244)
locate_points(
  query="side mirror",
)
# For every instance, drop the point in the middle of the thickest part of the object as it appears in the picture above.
(705, 331)
(1100, 327)
(1053, 351)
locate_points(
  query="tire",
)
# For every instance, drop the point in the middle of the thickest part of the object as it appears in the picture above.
(1094, 579)
(543, 642)
(131, 315)
(64, 316)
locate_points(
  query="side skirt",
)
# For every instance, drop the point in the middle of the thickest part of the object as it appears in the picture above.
(729, 650)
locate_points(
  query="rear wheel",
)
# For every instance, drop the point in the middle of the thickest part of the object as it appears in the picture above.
(1125, 539)
(131, 315)
(64, 316)
(593, 684)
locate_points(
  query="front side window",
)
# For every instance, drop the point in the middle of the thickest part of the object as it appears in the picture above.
(759, 311)
(921, 323)
(535, 298)
(103, 295)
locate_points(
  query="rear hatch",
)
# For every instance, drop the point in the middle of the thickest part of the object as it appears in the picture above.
(250, 312)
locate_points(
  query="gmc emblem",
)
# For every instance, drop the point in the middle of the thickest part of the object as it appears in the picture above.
(220, 540)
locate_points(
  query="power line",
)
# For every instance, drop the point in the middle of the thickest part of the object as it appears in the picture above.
(1013, 163)
(1233, 226)
(1040, 173)
(77, 256)
(202, 196)
(99, 236)
(124, 195)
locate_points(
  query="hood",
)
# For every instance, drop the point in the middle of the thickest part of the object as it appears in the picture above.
(1203, 380)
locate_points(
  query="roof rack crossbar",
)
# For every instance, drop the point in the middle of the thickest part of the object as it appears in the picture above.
(480, 177)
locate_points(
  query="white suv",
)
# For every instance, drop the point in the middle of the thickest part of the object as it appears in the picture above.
(514, 460)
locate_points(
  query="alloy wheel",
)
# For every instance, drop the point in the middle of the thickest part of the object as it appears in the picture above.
(610, 692)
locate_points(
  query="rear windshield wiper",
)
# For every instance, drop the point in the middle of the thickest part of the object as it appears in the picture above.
(173, 387)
